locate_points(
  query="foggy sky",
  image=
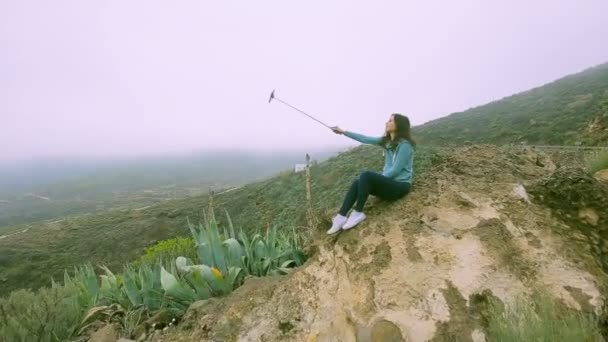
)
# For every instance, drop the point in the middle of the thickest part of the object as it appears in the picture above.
(105, 78)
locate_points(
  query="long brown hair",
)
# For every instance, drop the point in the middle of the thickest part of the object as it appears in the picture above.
(403, 132)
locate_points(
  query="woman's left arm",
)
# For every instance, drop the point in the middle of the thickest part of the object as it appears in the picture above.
(404, 155)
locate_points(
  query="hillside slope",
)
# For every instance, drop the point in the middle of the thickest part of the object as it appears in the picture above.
(422, 268)
(46, 249)
(571, 109)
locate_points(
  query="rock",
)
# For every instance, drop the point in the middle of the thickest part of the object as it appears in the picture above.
(429, 215)
(602, 176)
(161, 319)
(539, 162)
(385, 331)
(478, 336)
(465, 200)
(595, 125)
(105, 334)
(519, 192)
(201, 308)
(140, 332)
(198, 305)
(588, 216)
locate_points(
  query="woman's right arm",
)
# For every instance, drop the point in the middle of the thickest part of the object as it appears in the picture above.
(359, 137)
(363, 138)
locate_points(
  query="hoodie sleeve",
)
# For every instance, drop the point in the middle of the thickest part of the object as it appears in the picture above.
(363, 139)
(403, 157)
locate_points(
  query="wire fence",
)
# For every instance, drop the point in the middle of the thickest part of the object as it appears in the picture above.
(588, 151)
(563, 148)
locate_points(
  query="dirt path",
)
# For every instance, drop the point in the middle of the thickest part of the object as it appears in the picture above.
(12, 234)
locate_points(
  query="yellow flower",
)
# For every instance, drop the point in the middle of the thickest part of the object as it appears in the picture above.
(216, 272)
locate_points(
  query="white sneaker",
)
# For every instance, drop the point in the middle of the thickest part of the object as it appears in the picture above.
(354, 219)
(337, 222)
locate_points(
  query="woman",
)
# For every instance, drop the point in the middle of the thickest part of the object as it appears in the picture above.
(393, 183)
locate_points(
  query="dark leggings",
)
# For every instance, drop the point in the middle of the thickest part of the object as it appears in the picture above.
(375, 184)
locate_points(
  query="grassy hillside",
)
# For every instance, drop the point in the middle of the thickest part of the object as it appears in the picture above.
(571, 109)
(30, 259)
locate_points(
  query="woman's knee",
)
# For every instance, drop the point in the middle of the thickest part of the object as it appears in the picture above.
(365, 176)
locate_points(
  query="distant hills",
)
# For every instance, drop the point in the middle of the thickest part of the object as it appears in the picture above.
(54, 188)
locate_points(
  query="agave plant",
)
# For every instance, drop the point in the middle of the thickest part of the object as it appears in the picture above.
(84, 280)
(270, 254)
(209, 245)
(210, 279)
(261, 255)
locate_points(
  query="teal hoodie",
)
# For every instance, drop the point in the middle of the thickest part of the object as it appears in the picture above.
(398, 162)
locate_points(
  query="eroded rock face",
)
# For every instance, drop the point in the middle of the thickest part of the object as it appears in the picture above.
(422, 268)
(580, 201)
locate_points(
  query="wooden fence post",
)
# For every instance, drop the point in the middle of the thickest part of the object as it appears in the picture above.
(211, 206)
(309, 212)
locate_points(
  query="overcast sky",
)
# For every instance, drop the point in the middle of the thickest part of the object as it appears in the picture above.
(103, 78)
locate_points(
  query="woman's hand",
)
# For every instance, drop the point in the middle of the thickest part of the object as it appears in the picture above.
(337, 130)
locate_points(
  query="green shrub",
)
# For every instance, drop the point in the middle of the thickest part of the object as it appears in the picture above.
(540, 318)
(168, 250)
(599, 162)
(49, 314)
